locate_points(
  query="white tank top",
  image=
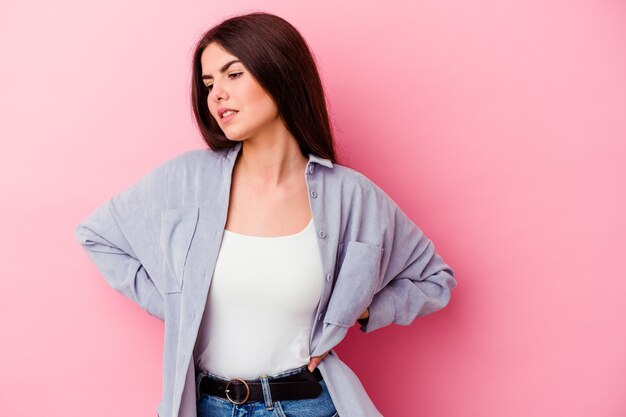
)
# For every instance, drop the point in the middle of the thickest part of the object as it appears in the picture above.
(261, 305)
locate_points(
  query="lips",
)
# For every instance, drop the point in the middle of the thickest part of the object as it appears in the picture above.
(228, 118)
(221, 112)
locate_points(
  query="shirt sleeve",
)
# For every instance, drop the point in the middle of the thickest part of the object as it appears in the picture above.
(121, 238)
(415, 279)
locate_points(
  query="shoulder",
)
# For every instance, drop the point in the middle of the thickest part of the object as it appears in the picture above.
(194, 157)
(359, 185)
(187, 163)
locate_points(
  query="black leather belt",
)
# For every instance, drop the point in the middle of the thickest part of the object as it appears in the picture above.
(304, 384)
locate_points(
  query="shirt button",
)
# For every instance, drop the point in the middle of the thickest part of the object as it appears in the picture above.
(322, 234)
(321, 316)
(328, 277)
(313, 194)
(310, 170)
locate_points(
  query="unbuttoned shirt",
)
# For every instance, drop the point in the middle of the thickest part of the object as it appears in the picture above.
(157, 241)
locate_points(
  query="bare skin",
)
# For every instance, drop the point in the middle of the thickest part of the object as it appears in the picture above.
(268, 190)
(270, 204)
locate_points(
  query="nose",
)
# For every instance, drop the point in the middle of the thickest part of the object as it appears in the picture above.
(217, 93)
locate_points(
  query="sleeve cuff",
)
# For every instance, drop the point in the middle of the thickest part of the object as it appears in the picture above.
(381, 313)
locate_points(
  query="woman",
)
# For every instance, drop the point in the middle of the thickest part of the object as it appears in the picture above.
(261, 251)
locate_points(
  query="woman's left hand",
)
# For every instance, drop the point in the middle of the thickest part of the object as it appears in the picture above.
(315, 360)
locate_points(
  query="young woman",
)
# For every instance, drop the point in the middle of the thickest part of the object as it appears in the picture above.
(261, 251)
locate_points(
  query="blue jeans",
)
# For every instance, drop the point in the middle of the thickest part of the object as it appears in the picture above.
(321, 406)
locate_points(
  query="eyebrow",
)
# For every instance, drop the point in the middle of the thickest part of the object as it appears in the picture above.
(224, 68)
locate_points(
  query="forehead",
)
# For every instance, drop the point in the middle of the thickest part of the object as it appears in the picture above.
(213, 57)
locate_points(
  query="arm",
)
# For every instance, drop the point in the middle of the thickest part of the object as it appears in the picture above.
(120, 235)
(415, 279)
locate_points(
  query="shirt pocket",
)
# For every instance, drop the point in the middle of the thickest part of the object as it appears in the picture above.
(178, 227)
(356, 282)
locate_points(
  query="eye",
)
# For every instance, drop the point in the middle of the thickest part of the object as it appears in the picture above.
(234, 75)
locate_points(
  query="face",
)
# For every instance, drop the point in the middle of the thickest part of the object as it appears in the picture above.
(231, 86)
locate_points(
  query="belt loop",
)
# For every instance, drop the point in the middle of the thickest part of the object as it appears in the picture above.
(267, 393)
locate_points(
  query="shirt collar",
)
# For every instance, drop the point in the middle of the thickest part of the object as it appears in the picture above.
(322, 161)
(232, 153)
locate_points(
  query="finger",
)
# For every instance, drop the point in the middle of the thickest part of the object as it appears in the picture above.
(313, 363)
(315, 360)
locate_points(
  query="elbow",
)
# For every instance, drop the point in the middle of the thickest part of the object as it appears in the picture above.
(447, 282)
(83, 234)
(78, 231)
(439, 292)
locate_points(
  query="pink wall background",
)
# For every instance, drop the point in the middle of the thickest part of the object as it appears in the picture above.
(499, 127)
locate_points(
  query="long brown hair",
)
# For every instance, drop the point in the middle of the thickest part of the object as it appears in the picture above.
(279, 59)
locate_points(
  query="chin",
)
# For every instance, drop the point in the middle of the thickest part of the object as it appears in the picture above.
(233, 136)
(235, 139)
(230, 134)
(234, 133)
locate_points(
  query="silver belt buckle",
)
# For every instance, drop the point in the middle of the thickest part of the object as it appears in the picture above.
(247, 389)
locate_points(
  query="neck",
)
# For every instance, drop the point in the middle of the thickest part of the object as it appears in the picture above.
(270, 164)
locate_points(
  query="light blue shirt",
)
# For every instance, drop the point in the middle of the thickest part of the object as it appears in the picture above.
(157, 241)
